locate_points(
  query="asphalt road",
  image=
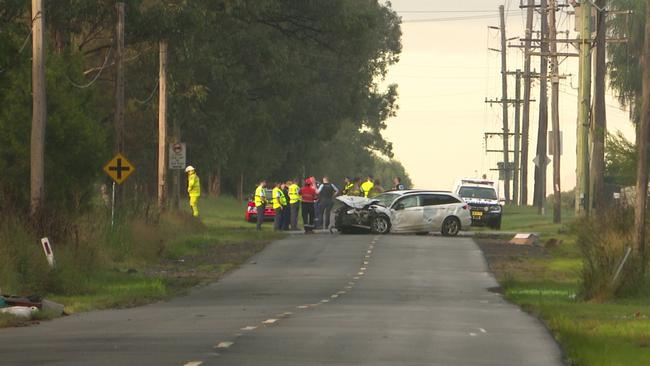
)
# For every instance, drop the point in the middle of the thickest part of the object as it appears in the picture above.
(312, 300)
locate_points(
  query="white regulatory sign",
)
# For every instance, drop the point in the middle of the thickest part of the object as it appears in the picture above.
(177, 156)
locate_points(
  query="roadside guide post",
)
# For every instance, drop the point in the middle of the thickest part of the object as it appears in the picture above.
(118, 169)
(49, 254)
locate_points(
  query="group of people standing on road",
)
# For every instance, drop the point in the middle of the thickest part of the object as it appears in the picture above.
(315, 200)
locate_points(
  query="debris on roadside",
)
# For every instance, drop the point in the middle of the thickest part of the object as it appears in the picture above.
(20, 311)
(26, 307)
(524, 239)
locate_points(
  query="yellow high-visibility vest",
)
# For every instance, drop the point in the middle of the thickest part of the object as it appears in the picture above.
(260, 196)
(279, 199)
(294, 194)
(366, 187)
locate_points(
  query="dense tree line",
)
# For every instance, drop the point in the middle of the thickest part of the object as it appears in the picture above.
(257, 89)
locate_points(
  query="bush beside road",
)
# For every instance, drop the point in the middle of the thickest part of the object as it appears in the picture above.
(142, 261)
(546, 281)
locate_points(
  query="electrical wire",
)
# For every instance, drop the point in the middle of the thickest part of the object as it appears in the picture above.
(91, 82)
(153, 92)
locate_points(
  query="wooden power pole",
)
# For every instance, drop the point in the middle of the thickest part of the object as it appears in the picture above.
(119, 78)
(39, 110)
(541, 158)
(555, 113)
(515, 179)
(584, 102)
(599, 126)
(525, 122)
(644, 136)
(504, 103)
(162, 125)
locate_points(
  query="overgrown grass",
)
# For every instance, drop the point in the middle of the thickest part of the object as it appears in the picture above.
(99, 268)
(616, 332)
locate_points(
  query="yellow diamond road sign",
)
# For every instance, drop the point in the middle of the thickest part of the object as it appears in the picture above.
(119, 168)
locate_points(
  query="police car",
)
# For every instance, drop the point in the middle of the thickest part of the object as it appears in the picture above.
(483, 199)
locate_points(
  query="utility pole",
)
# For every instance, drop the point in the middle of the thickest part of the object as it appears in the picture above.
(504, 98)
(599, 127)
(642, 163)
(525, 124)
(515, 179)
(119, 78)
(39, 111)
(584, 101)
(162, 125)
(540, 166)
(555, 114)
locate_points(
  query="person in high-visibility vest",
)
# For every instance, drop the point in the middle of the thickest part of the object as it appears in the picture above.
(260, 203)
(294, 203)
(347, 187)
(193, 189)
(279, 201)
(367, 186)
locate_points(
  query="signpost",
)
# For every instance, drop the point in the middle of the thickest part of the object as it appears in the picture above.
(49, 254)
(177, 156)
(119, 169)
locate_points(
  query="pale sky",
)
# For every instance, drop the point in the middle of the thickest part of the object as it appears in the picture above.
(445, 74)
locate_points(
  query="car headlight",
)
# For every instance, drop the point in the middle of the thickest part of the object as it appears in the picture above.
(496, 208)
(350, 212)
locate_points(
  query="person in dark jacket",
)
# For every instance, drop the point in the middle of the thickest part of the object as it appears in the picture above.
(326, 193)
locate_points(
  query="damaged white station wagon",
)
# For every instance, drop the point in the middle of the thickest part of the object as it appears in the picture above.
(418, 212)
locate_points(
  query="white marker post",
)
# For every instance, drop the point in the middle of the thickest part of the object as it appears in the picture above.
(49, 254)
(113, 207)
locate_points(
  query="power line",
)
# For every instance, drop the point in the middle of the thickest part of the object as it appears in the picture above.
(91, 82)
(444, 11)
(451, 19)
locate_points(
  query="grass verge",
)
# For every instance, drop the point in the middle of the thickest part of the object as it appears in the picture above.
(545, 281)
(138, 264)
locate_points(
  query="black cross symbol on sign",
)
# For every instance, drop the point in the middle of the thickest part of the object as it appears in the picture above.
(119, 168)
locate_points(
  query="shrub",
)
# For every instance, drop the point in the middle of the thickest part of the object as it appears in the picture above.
(603, 241)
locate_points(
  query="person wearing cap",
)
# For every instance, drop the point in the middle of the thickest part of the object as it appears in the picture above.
(193, 189)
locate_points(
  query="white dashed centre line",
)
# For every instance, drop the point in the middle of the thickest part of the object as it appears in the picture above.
(473, 334)
(303, 306)
(222, 345)
(269, 321)
(194, 363)
(249, 328)
(482, 330)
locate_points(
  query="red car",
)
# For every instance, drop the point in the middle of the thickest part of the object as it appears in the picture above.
(251, 210)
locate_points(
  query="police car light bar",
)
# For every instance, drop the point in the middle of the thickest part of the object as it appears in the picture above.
(477, 181)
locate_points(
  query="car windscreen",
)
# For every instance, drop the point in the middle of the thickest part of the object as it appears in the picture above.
(478, 192)
(386, 199)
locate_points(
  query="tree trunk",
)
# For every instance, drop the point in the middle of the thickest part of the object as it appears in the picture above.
(215, 183)
(240, 187)
(644, 135)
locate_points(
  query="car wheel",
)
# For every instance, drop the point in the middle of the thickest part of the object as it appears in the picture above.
(380, 225)
(497, 224)
(451, 226)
